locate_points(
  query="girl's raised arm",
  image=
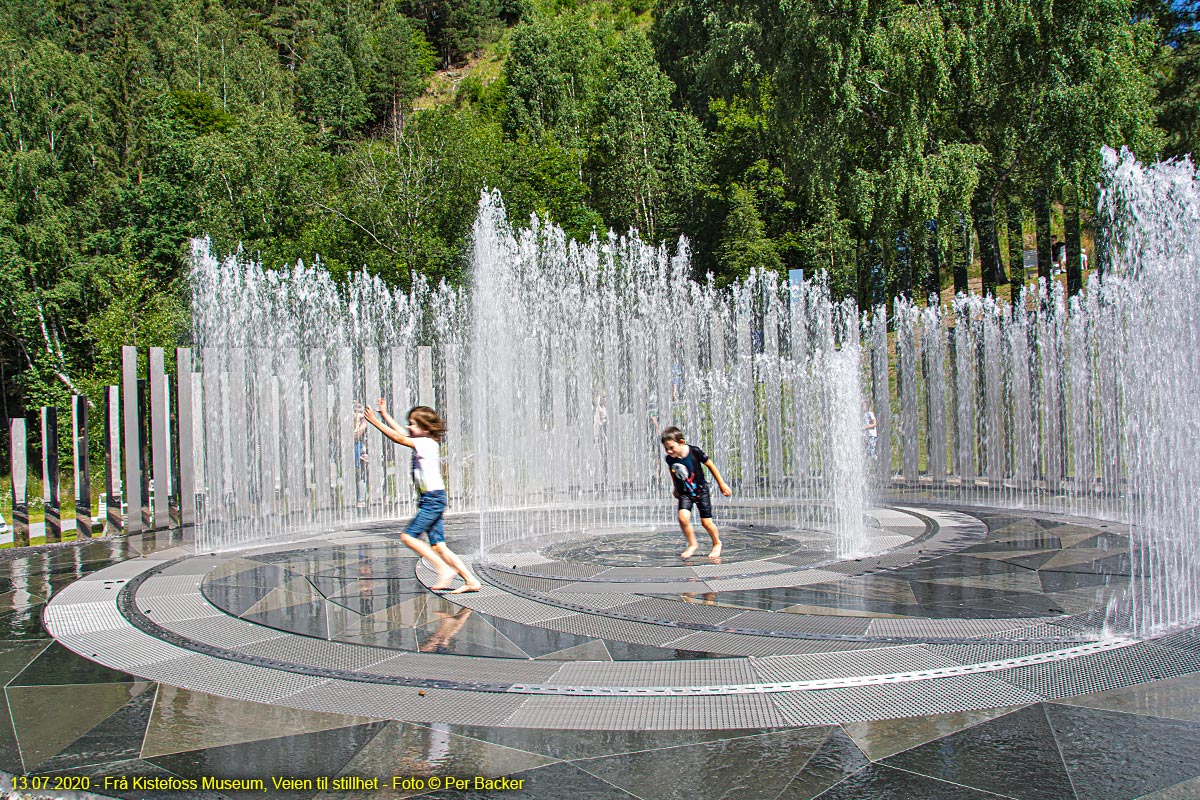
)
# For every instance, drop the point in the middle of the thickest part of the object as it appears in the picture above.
(387, 430)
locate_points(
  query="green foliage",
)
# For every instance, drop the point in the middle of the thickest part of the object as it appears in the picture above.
(775, 135)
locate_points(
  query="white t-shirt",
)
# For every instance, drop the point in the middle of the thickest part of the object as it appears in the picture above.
(427, 465)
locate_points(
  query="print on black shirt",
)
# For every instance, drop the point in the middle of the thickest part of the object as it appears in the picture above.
(688, 472)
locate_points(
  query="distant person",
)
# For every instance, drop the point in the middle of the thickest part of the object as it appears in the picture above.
(686, 464)
(1058, 256)
(425, 431)
(360, 457)
(870, 430)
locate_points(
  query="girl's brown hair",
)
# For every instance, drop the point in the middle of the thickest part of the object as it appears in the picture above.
(429, 420)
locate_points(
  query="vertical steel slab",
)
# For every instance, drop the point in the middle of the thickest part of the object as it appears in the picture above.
(113, 520)
(186, 442)
(374, 441)
(19, 463)
(159, 440)
(425, 395)
(133, 442)
(50, 496)
(83, 476)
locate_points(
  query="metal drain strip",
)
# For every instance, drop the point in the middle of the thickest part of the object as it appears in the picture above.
(829, 683)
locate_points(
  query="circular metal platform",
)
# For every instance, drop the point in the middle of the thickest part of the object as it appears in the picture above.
(346, 623)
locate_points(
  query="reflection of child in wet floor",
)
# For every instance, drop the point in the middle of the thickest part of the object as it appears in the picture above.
(425, 429)
(440, 640)
(686, 464)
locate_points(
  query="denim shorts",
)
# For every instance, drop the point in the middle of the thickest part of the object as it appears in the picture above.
(428, 520)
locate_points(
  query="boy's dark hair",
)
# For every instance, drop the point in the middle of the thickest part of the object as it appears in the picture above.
(671, 434)
(430, 420)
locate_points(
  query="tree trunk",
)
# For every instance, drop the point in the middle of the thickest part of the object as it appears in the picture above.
(961, 253)
(933, 281)
(1041, 214)
(985, 225)
(1074, 242)
(1016, 249)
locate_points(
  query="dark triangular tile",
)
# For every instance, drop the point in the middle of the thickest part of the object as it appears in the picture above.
(15, 656)
(837, 758)
(118, 738)
(1113, 755)
(307, 755)
(1012, 755)
(10, 754)
(554, 781)
(403, 748)
(1034, 561)
(569, 745)
(57, 665)
(184, 720)
(878, 782)
(755, 766)
(48, 718)
(24, 623)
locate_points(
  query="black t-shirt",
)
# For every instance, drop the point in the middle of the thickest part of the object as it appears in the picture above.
(688, 472)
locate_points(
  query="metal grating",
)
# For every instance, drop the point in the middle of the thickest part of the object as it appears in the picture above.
(1100, 672)
(744, 645)
(525, 582)
(597, 600)
(619, 629)
(307, 651)
(1184, 640)
(693, 672)
(737, 568)
(73, 619)
(407, 703)
(197, 565)
(123, 571)
(694, 585)
(181, 606)
(224, 632)
(818, 666)
(647, 713)
(229, 679)
(128, 650)
(941, 628)
(1042, 630)
(677, 611)
(437, 667)
(774, 580)
(898, 700)
(162, 585)
(511, 607)
(985, 652)
(88, 592)
(799, 623)
(569, 569)
(647, 574)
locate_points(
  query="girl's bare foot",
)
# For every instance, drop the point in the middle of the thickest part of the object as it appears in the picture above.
(689, 552)
(469, 587)
(716, 551)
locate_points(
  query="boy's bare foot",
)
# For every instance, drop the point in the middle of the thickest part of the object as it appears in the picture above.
(689, 552)
(443, 582)
(470, 587)
(716, 551)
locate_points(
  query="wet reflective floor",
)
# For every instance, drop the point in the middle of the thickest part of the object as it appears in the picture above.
(68, 717)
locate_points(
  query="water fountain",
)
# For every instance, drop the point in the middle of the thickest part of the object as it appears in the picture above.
(558, 367)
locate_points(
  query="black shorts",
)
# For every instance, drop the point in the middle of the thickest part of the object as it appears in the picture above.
(702, 501)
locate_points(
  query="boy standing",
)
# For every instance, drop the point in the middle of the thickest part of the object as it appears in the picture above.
(686, 465)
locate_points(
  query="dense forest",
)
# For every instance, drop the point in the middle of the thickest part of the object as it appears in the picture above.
(866, 138)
